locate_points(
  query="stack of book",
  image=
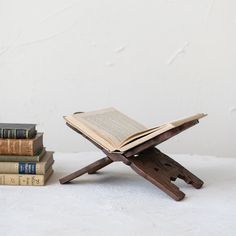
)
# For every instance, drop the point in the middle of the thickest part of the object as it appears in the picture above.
(23, 158)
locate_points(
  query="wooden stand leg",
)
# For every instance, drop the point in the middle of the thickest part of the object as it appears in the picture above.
(162, 183)
(160, 170)
(184, 174)
(106, 162)
(88, 169)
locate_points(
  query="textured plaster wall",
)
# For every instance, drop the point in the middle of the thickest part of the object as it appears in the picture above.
(154, 60)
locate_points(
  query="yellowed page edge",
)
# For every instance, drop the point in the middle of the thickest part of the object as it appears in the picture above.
(146, 138)
(140, 134)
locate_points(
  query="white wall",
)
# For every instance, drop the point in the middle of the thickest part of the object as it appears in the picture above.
(154, 60)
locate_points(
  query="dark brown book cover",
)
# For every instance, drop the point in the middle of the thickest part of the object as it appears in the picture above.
(17, 131)
(22, 147)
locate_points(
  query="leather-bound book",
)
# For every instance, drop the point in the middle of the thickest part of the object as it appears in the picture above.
(14, 158)
(17, 131)
(25, 180)
(22, 147)
(34, 168)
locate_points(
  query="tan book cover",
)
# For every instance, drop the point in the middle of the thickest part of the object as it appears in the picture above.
(25, 180)
(37, 168)
(116, 132)
(27, 147)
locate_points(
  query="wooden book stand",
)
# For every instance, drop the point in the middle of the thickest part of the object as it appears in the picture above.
(147, 161)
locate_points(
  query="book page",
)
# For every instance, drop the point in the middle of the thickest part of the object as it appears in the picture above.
(139, 135)
(89, 133)
(110, 124)
(147, 137)
(160, 130)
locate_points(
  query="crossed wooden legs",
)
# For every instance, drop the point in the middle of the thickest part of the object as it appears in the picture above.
(154, 166)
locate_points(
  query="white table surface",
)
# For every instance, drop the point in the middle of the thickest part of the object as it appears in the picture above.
(119, 202)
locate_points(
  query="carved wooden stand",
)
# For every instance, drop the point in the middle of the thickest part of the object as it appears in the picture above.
(147, 161)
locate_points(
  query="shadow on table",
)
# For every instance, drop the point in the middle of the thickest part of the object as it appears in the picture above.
(101, 177)
(211, 175)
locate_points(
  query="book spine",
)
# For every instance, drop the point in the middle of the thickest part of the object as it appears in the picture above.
(10, 158)
(26, 180)
(16, 147)
(21, 133)
(24, 147)
(14, 133)
(15, 158)
(31, 168)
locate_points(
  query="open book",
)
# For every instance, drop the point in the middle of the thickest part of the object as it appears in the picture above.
(115, 131)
